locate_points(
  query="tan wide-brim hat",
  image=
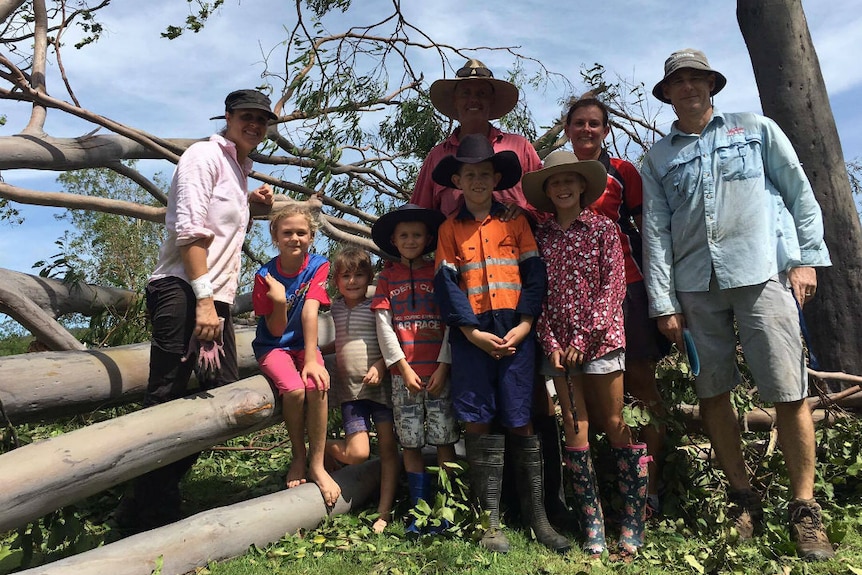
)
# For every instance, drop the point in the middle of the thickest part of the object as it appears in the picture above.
(687, 58)
(533, 183)
(442, 92)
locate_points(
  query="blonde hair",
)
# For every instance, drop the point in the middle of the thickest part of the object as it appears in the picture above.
(292, 209)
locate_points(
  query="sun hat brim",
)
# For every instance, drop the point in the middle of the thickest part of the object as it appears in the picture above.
(561, 161)
(384, 227)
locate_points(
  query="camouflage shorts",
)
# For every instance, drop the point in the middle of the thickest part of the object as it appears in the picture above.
(421, 419)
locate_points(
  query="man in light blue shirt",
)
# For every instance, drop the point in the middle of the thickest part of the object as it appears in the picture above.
(732, 234)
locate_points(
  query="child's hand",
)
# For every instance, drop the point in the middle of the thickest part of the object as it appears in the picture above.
(438, 379)
(574, 357)
(372, 377)
(516, 335)
(316, 373)
(275, 289)
(557, 358)
(486, 341)
(412, 381)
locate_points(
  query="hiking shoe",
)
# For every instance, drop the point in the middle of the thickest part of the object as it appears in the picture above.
(806, 530)
(745, 510)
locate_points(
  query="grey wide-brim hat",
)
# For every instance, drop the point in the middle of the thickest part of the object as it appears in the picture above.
(687, 58)
(593, 171)
(384, 227)
(442, 92)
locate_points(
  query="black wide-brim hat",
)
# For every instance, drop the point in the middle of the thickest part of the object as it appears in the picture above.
(474, 149)
(384, 227)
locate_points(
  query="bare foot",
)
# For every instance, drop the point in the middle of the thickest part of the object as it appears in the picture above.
(296, 473)
(330, 490)
(380, 525)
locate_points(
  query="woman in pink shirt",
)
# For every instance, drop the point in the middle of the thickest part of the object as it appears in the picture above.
(582, 335)
(193, 286)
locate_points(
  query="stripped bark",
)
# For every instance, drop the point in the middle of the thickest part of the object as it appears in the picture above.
(224, 532)
(44, 476)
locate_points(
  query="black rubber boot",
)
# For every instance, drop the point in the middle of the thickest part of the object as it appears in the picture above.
(559, 514)
(485, 454)
(527, 451)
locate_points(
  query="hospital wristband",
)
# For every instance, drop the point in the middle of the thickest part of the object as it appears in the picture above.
(202, 287)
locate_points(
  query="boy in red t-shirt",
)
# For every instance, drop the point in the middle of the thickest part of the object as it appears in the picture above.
(413, 340)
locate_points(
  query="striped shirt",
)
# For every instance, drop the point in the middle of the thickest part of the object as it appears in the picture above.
(356, 350)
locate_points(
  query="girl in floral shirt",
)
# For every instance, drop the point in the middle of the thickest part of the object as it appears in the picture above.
(582, 334)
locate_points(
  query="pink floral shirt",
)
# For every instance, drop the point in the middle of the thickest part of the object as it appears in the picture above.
(587, 285)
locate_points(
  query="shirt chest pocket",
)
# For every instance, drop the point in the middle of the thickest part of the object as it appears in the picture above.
(740, 159)
(678, 180)
(508, 249)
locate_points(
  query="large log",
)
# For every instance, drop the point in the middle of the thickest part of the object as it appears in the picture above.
(49, 474)
(221, 533)
(48, 384)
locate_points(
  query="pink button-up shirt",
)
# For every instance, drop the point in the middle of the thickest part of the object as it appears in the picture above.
(432, 196)
(209, 200)
(586, 277)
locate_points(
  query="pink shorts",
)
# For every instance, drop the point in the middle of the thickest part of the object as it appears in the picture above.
(283, 367)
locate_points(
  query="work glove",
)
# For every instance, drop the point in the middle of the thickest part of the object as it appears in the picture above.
(209, 354)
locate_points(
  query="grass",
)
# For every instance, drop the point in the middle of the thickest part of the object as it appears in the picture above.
(693, 537)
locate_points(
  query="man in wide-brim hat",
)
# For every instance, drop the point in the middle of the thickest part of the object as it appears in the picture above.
(473, 98)
(732, 235)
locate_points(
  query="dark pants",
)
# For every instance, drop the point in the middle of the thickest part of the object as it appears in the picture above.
(171, 306)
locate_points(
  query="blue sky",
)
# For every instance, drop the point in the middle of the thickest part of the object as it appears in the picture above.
(171, 88)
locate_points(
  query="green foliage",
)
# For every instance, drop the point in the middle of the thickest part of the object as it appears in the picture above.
(99, 243)
(199, 13)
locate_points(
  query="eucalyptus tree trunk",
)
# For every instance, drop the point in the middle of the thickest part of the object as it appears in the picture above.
(792, 93)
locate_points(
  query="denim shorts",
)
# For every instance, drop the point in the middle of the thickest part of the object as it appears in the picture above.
(421, 419)
(768, 323)
(608, 363)
(358, 414)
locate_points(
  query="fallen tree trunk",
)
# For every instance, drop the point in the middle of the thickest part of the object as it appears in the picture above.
(58, 298)
(221, 533)
(763, 419)
(53, 383)
(47, 475)
(45, 385)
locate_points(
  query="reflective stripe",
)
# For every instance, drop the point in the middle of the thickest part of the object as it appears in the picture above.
(528, 255)
(476, 290)
(487, 263)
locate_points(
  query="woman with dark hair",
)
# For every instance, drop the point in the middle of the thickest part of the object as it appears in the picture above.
(587, 126)
(190, 293)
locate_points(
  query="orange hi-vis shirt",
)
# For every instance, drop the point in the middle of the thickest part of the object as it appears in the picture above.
(486, 258)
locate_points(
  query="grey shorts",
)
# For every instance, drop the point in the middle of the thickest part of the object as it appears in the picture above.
(421, 419)
(768, 324)
(608, 363)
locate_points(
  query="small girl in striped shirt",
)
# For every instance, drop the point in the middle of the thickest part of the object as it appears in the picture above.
(362, 383)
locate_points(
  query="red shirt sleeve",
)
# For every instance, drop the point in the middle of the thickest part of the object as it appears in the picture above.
(317, 287)
(262, 304)
(381, 293)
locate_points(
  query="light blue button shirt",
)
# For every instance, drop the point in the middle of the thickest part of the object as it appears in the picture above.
(733, 199)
